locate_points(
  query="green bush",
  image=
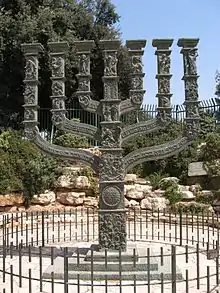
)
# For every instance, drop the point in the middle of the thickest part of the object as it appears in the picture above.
(24, 167)
(155, 179)
(172, 193)
(68, 140)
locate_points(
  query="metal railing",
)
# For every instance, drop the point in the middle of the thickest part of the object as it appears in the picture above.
(59, 240)
(146, 112)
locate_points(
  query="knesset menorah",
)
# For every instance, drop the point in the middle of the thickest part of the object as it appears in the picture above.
(111, 165)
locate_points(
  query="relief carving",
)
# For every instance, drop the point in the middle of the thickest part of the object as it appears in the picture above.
(84, 100)
(192, 110)
(110, 64)
(58, 117)
(84, 64)
(165, 102)
(29, 95)
(84, 85)
(111, 137)
(58, 104)
(191, 88)
(164, 85)
(57, 89)
(137, 64)
(29, 114)
(137, 98)
(111, 168)
(111, 196)
(110, 113)
(31, 68)
(190, 62)
(164, 63)
(137, 83)
(57, 64)
(112, 231)
(110, 90)
(192, 129)
(30, 133)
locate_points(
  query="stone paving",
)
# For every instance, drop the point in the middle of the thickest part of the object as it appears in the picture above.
(158, 236)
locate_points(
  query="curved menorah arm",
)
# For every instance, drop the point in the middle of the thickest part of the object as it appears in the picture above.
(156, 152)
(140, 128)
(64, 153)
(77, 128)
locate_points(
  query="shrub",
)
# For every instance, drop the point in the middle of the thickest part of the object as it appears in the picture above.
(172, 193)
(24, 167)
(155, 179)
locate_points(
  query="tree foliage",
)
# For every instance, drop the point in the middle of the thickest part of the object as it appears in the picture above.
(42, 21)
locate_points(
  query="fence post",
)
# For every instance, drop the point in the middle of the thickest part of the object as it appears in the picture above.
(173, 260)
(181, 228)
(42, 228)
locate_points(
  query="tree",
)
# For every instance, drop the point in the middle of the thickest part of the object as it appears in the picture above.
(54, 20)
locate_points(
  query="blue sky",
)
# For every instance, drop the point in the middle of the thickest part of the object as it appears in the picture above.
(151, 19)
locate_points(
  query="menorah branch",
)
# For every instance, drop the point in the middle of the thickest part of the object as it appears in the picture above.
(69, 154)
(155, 152)
(140, 128)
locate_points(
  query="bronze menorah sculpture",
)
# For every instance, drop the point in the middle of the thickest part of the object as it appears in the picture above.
(111, 165)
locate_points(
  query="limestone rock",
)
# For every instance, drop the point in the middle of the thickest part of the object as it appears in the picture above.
(82, 183)
(133, 203)
(71, 198)
(183, 188)
(127, 203)
(130, 178)
(44, 198)
(65, 181)
(154, 203)
(187, 195)
(158, 193)
(91, 202)
(136, 192)
(142, 181)
(196, 188)
(206, 193)
(13, 199)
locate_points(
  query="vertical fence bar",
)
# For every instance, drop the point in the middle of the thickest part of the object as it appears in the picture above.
(181, 227)
(92, 270)
(134, 275)
(29, 280)
(148, 270)
(11, 279)
(66, 270)
(197, 267)
(173, 264)
(42, 229)
(217, 263)
(20, 266)
(40, 268)
(120, 272)
(106, 267)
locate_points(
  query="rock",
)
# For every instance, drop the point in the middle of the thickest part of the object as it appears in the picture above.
(130, 178)
(127, 203)
(206, 193)
(154, 203)
(73, 170)
(187, 195)
(183, 188)
(91, 202)
(44, 198)
(133, 203)
(72, 182)
(65, 181)
(71, 198)
(142, 181)
(82, 182)
(136, 192)
(168, 181)
(195, 189)
(158, 193)
(13, 199)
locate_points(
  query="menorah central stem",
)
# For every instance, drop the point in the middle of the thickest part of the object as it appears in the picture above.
(112, 223)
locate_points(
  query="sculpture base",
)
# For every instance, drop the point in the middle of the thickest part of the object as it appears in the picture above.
(105, 265)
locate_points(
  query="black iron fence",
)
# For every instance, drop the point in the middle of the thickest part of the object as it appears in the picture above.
(47, 251)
